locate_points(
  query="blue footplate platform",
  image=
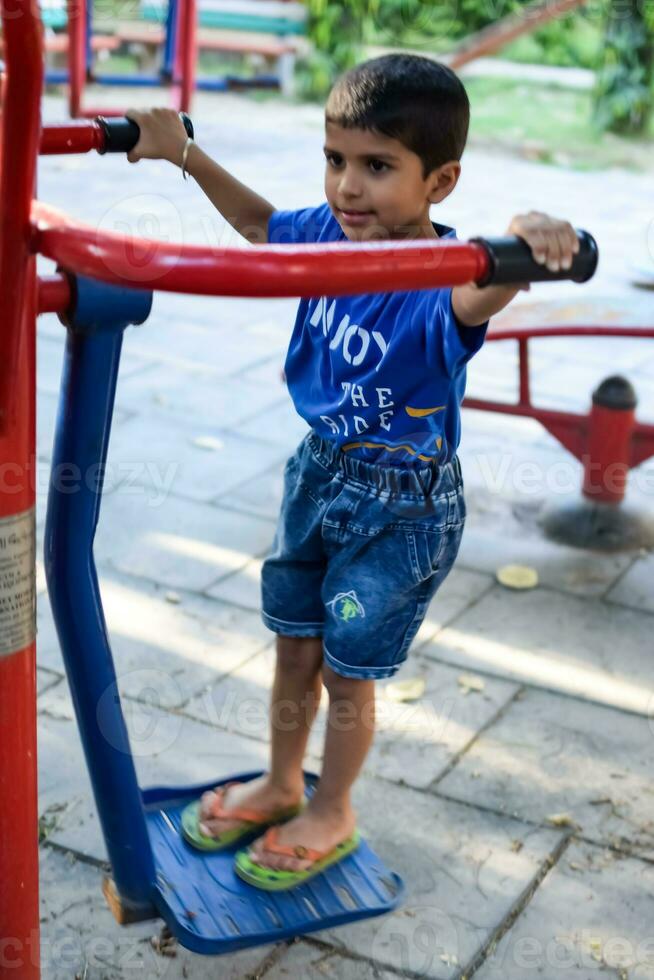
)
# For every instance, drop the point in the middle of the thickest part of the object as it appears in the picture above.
(210, 910)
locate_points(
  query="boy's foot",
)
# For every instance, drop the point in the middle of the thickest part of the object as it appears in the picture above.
(317, 831)
(257, 794)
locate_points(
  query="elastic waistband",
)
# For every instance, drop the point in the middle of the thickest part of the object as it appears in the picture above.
(433, 478)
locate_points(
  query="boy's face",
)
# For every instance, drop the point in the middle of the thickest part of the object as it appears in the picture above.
(375, 186)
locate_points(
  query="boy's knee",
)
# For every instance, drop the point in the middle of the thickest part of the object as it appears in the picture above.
(299, 654)
(340, 687)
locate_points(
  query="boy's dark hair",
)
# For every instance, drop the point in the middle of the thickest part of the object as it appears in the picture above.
(415, 100)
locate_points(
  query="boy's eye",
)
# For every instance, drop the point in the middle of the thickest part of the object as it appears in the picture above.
(377, 166)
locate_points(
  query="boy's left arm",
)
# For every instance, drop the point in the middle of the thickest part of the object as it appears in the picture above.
(553, 243)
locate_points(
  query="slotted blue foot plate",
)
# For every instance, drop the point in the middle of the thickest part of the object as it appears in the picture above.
(210, 910)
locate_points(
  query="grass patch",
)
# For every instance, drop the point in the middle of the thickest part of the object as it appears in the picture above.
(549, 124)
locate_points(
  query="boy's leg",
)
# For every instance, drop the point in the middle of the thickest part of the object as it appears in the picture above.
(329, 818)
(294, 703)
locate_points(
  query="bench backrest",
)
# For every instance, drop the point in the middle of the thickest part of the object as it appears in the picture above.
(264, 16)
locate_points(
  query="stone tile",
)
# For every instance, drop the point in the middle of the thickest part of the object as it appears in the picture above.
(268, 373)
(173, 649)
(570, 383)
(50, 359)
(180, 544)
(460, 589)
(636, 587)
(199, 397)
(415, 741)
(589, 916)
(224, 334)
(168, 749)
(46, 417)
(262, 496)
(576, 646)
(320, 963)
(548, 754)
(81, 938)
(493, 372)
(509, 489)
(463, 872)
(46, 679)
(514, 538)
(192, 459)
(243, 589)
(280, 425)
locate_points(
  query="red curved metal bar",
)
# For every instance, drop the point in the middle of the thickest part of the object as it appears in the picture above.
(572, 330)
(277, 270)
(569, 428)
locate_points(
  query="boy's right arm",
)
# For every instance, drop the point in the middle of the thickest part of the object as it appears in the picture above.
(163, 137)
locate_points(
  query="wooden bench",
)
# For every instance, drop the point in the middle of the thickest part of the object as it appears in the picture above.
(57, 45)
(273, 30)
(145, 41)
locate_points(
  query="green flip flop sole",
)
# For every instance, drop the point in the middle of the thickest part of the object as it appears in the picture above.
(194, 836)
(272, 880)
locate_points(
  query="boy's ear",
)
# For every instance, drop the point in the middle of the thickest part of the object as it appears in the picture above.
(443, 180)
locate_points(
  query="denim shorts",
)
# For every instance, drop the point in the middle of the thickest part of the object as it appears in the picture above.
(359, 551)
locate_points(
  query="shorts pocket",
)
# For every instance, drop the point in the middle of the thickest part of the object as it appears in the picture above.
(435, 551)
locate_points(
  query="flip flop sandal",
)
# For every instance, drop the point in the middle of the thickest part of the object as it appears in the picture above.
(253, 821)
(271, 879)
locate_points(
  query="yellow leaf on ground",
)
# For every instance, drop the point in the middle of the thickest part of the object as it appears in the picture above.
(411, 689)
(517, 577)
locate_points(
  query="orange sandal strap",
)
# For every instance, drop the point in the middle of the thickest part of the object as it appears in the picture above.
(248, 814)
(288, 850)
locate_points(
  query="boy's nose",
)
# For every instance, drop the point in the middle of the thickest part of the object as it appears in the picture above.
(349, 185)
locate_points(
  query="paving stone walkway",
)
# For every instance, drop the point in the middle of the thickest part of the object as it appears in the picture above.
(519, 812)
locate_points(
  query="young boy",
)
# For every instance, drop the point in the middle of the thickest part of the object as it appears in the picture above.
(373, 508)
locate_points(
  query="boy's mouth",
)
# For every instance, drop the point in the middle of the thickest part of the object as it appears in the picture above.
(351, 217)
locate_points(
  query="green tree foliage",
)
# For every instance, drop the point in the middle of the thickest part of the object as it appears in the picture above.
(623, 92)
(336, 30)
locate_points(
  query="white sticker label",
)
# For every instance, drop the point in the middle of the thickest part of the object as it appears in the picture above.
(17, 582)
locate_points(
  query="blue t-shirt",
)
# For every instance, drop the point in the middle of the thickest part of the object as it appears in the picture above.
(382, 374)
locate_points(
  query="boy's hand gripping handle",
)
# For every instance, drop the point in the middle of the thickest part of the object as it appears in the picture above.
(121, 135)
(511, 261)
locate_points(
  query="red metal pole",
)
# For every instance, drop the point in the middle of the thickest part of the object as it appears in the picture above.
(186, 53)
(610, 433)
(19, 126)
(76, 55)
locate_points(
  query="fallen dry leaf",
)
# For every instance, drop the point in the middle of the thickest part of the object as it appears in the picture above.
(470, 682)
(561, 820)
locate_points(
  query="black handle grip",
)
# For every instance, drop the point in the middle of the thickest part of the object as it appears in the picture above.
(511, 261)
(121, 135)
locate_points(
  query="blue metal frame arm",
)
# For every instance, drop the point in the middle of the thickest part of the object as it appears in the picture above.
(95, 331)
